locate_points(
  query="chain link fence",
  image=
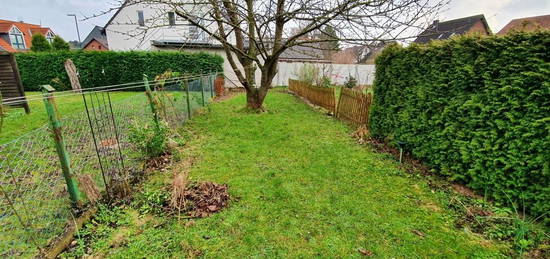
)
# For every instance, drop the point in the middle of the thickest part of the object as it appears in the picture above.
(35, 200)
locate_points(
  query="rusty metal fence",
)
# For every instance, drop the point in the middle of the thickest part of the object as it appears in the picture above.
(91, 146)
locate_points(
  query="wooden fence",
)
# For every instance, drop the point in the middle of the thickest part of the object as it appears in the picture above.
(321, 96)
(354, 106)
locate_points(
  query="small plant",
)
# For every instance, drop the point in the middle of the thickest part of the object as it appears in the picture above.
(325, 82)
(308, 73)
(150, 140)
(351, 82)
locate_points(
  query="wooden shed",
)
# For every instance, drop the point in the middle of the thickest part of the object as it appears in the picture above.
(11, 87)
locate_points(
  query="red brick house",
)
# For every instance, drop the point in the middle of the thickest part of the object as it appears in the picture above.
(96, 40)
(527, 24)
(17, 36)
(444, 30)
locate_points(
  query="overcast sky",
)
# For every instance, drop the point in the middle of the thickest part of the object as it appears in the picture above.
(53, 13)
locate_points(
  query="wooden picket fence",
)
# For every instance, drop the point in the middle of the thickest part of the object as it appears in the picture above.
(320, 96)
(354, 106)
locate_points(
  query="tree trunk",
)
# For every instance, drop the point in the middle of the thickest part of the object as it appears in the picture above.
(255, 99)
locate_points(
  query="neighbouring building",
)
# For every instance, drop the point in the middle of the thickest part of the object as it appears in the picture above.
(96, 40)
(444, 30)
(359, 54)
(17, 36)
(527, 24)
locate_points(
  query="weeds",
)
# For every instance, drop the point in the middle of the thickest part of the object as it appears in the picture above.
(150, 140)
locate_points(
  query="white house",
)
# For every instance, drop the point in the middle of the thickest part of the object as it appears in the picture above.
(155, 27)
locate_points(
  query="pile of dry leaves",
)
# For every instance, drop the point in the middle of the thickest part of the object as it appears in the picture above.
(198, 200)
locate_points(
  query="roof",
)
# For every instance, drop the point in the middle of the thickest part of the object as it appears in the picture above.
(527, 24)
(358, 54)
(97, 34)
(124, 4)
(6, 46)
(444, 30)
(28, 29)
(310, 52)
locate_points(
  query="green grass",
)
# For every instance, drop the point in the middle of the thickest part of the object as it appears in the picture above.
(17, 123)
(302, 188)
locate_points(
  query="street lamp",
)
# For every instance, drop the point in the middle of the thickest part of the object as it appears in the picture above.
(76, 22)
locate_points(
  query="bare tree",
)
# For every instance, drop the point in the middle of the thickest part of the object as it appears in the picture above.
(254, 33)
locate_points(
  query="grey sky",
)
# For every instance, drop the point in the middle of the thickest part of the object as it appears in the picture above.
(53, 13)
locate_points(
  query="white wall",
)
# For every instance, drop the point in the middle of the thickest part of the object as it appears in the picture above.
(338, 73)
(124, 33)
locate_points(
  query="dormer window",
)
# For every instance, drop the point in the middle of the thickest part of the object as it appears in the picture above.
(16, 38)
(50, 36)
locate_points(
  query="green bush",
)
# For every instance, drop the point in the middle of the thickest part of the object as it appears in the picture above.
(59, 44)
(150, 140)
(97, 68)
(477, 109)
(40, 43)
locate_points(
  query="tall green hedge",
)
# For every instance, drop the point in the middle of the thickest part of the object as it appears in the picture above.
(476, 109)
(98, 68)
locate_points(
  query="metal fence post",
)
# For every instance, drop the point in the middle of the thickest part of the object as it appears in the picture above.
(186, 82)
(151, 99)
(202, 90)
(64, 159)
(211, 82)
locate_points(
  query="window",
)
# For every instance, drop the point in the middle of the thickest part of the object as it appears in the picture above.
(16, 38)
(141, 19)
(171, 18)
(50, 36)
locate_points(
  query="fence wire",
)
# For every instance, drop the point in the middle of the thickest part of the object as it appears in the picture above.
(34, 202)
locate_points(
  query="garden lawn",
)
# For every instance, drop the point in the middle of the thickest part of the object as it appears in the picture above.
(17, 123)
(301, 187)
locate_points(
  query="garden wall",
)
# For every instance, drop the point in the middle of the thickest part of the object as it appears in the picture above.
(476, 109)
(108, 68)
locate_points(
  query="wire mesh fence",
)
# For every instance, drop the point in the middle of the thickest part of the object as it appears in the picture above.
(35, 195)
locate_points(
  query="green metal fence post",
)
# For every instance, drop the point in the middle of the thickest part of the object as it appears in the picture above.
(211, 82)
(64, 159)
(151, 99)
(186, 82)
(202, 90)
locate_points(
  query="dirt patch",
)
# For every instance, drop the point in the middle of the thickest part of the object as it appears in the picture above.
(199, 200)
(158, 163)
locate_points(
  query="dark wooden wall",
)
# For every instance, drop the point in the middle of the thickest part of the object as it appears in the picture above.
(10, 82)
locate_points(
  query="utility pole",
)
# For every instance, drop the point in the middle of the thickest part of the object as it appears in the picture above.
(77, 30)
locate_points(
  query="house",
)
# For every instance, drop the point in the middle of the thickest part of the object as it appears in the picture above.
(444, 30)
(359, 54)
(17, 36)
(527, 24)
(96, 40)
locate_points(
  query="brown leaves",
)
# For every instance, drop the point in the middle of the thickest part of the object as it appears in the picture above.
(199, 200)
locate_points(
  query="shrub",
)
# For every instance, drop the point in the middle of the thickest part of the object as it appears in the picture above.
(59, 44)
(98, 68)
(40, 43)
(477, 109)
(150, 139)
(351, 82)
(308, 73)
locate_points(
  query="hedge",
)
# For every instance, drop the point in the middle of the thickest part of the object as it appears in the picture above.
(97, 68)
(476, 109)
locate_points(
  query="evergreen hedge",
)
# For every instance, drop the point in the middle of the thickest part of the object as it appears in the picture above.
(97, 68)
(476, 109)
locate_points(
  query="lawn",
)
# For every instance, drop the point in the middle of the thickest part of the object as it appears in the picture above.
(301, 187)
(17, 123)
